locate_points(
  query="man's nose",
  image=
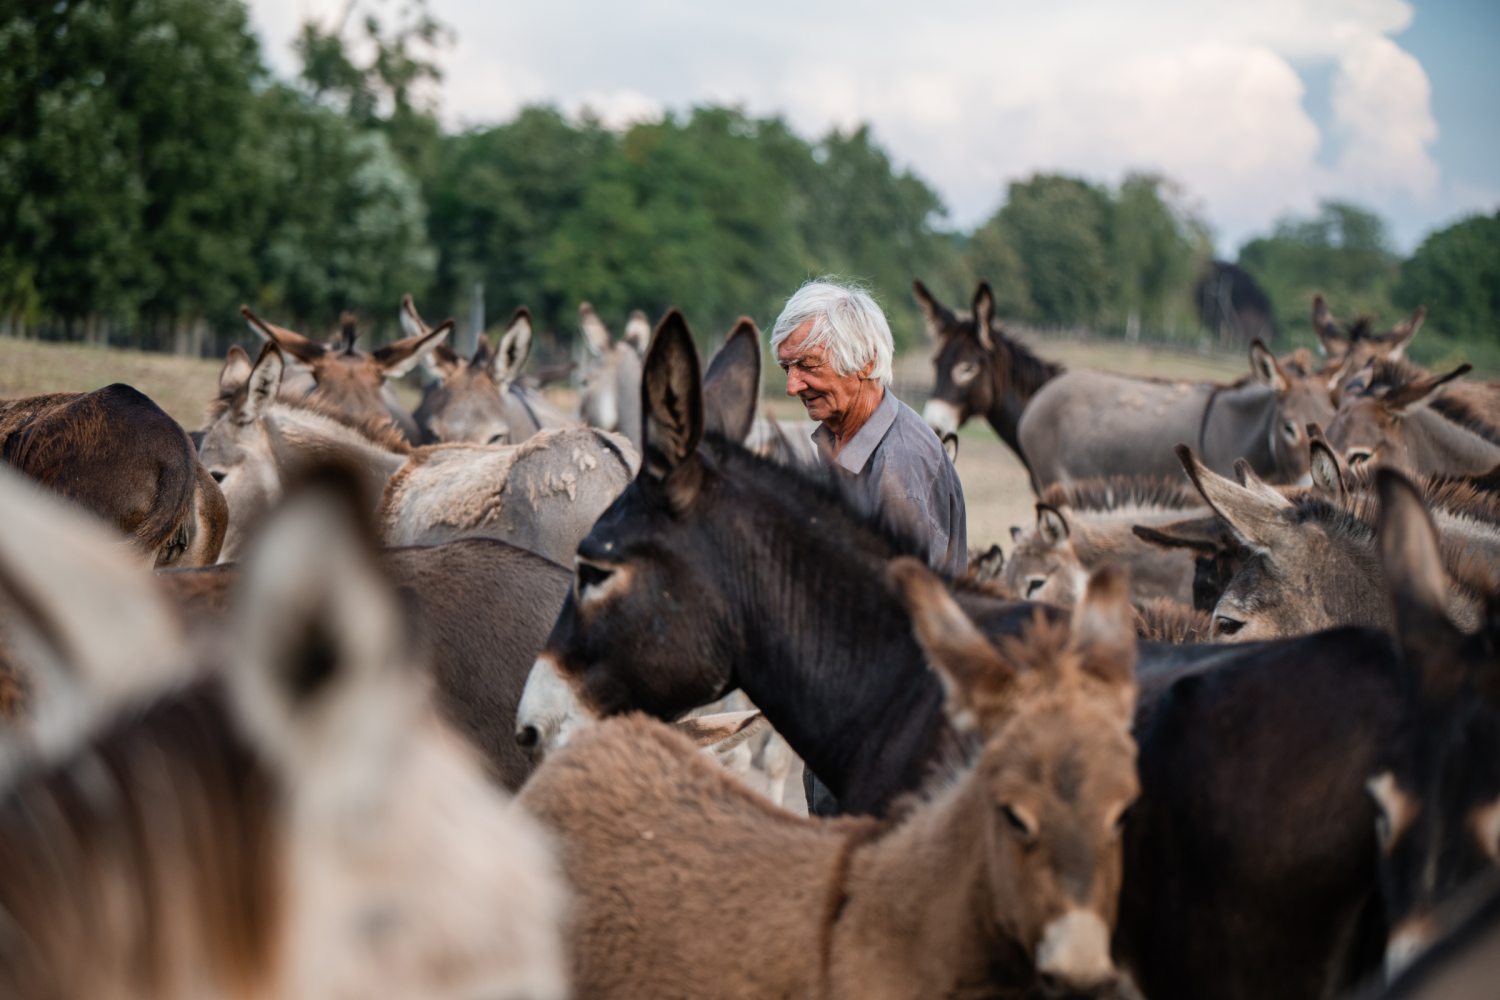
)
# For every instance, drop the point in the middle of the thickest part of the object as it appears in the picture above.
(794, 383)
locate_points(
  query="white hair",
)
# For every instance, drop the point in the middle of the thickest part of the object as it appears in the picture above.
(845, 320)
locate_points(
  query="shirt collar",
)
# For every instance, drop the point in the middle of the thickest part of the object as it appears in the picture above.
(865, 440)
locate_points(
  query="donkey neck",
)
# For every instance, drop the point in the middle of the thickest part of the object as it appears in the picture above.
(1238, 421)
(919, 907)
(1023, 376)
(828, 653)
(1443, 447)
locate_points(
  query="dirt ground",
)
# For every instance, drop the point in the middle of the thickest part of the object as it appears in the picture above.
(995, 487)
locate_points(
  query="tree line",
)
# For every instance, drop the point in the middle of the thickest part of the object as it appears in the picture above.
(154, 175)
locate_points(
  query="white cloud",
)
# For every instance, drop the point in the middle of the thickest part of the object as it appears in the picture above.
(975, 94)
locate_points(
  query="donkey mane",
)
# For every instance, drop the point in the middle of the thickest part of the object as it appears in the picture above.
(1459, 496)
(1108, 493)
(378, 430)
(817, 491)
(1023, 369)
(174, 777)
(1354, 524)
(1457, 410)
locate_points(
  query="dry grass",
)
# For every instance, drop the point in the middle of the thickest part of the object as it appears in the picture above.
(995, 485)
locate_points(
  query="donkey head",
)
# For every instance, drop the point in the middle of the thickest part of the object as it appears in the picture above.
(1043, 566)
(236, 450)
(1349, 348)
(1371, 423)
(963, 365)
(348, 378)
(1052, 710)
(1312, 566)
(1438, 794)
(466, 402)
(612, 375)
(639, 593)
(1301, 399)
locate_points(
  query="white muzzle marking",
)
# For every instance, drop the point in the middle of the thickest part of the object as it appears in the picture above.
(551, 707)
(1075, 950)
(1409, 941)
(941, 416)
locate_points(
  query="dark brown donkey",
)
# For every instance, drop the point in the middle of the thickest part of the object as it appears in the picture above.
(1438, 785)
(116, 453)
(353, 380)
(977, 369)
(1004, 878)
(1250, 857)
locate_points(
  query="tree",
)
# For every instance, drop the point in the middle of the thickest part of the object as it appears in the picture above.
(1059, 227)
(1156, 249)
(1455, 273)
(1343, 252)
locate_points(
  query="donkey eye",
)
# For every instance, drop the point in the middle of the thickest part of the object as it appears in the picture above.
(1019, 823)
(592, 575)
(1033, 584)
(1224, 625)
(964, 372)
(1291, 431)
(496, 439)
(1358, 456)
(1118, 826)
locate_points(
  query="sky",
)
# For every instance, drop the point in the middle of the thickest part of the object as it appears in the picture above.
(1256, 109)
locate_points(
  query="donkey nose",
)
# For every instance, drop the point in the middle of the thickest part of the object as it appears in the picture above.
(527, 737)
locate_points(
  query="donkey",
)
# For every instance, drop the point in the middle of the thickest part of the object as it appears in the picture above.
(977, 369)
(482, 608)
(1350, 348)
(1086, 524)
(352, 380)
(1399, 415)
(1261, 418)
(1437, 786)
(291, 822)
(542, 494)
(115, 453)
(1002, 879)
(1235, 886)
(611, 390)
(1314, 564)
(480, 400)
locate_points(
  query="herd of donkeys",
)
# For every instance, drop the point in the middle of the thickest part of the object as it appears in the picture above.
(328, 699)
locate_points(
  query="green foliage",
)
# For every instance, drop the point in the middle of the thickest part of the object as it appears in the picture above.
(1455, 273)
(1343, 252)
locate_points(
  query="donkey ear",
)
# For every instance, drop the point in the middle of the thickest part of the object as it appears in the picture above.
(1402, 333)
(82, 624)
(937, 318)
(1327, 468)
(595, 335)
(1254, 517)
(441, 363)
(235, 371)
(322, 671)
(412, 323)
(1266, 369)
(1333, 340)
(1419, 392)
(671, 398)
(298, 346)
(988, 565)
(1252, 482)
(984, 315)
(719, 734)
(976, 678)
(401, 357)
(1200, 534)
(1414, 575)
(1103, 631)
(263, 384)
(731, 386)
(1051, 525)
(637, 332)
(515, 347)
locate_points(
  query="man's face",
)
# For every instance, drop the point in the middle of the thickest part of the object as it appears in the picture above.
(812, 378)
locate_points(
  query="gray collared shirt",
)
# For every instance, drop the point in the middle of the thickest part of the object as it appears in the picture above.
(895, 467)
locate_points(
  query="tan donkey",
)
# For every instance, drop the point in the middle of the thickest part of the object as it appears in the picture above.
(1002, 879)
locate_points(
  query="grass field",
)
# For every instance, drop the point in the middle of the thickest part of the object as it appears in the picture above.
(995, 486)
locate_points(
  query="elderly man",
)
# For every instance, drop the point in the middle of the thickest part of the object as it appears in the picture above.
(833, 342)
